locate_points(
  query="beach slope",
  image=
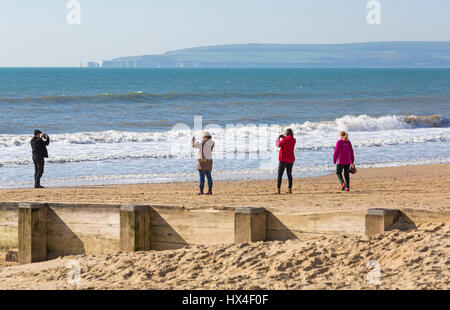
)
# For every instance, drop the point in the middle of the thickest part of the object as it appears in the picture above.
(417, 187)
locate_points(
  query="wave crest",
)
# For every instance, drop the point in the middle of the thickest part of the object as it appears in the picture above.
(368, 123)
(361, 123)
(141, 96)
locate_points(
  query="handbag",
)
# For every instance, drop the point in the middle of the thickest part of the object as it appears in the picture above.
(353, 169)
(203, 160)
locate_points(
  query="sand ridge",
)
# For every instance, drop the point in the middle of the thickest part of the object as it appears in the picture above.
(413, 259)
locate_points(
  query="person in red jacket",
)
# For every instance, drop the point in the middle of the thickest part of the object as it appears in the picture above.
(286, 143)
(343, 157)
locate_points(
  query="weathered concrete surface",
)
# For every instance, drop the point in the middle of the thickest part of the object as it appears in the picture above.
(285, 226)
(9, 220)
(250, 225)
(80, 229)
(418, 216)
(32, 232)
(135, 228)
(173, 228)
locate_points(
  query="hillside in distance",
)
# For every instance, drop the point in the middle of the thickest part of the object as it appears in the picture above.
(351, 55)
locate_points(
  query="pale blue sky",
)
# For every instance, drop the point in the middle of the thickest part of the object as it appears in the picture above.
(35, 33)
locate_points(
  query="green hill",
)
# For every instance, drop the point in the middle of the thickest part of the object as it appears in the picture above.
(353, 55)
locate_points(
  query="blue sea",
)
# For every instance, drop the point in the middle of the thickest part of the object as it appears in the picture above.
(115, 126)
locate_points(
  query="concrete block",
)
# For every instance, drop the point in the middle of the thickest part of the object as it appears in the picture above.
(134, 228)
(378, 220)
(250, 224)
(32, 232)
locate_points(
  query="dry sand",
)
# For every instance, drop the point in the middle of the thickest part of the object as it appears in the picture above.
(408, 257)
(422, 187)
(415, 259)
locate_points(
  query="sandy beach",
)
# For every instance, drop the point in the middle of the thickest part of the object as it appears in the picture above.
(407, 257)
(423, 187)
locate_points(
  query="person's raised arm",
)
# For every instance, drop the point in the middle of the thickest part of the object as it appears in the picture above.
(280, 141)
(40, 143)
(197, 145)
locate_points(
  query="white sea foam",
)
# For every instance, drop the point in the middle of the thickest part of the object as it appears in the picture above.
(365, 132)
(350, 123)
(113, 157)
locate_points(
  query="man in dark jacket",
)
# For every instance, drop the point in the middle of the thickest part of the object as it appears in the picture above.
(39, 146)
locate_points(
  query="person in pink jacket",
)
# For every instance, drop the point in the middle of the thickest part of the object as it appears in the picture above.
(286, 143)
(343, 157)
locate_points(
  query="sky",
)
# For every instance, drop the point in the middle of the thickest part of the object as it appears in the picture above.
(37, 34)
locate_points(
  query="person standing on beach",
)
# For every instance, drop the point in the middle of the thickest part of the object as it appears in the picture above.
(39, 145)
(204, 161)
(343, 157)
(286, 156)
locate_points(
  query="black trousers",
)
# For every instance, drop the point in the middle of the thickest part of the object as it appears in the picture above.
(38, 170)
(346, 169)
(284, 166)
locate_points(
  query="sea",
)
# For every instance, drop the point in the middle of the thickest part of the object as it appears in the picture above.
(123, 126)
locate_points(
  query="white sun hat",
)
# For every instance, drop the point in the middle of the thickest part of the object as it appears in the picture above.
(206, 134)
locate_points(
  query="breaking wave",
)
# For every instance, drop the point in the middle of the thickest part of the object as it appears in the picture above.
(361, 123)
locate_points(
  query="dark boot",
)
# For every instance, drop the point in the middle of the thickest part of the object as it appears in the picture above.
(200, 192)
(209, 191)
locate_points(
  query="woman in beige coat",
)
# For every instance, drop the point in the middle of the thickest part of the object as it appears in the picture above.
(204, 161)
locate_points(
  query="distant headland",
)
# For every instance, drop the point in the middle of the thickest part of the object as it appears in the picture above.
(350, 55)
